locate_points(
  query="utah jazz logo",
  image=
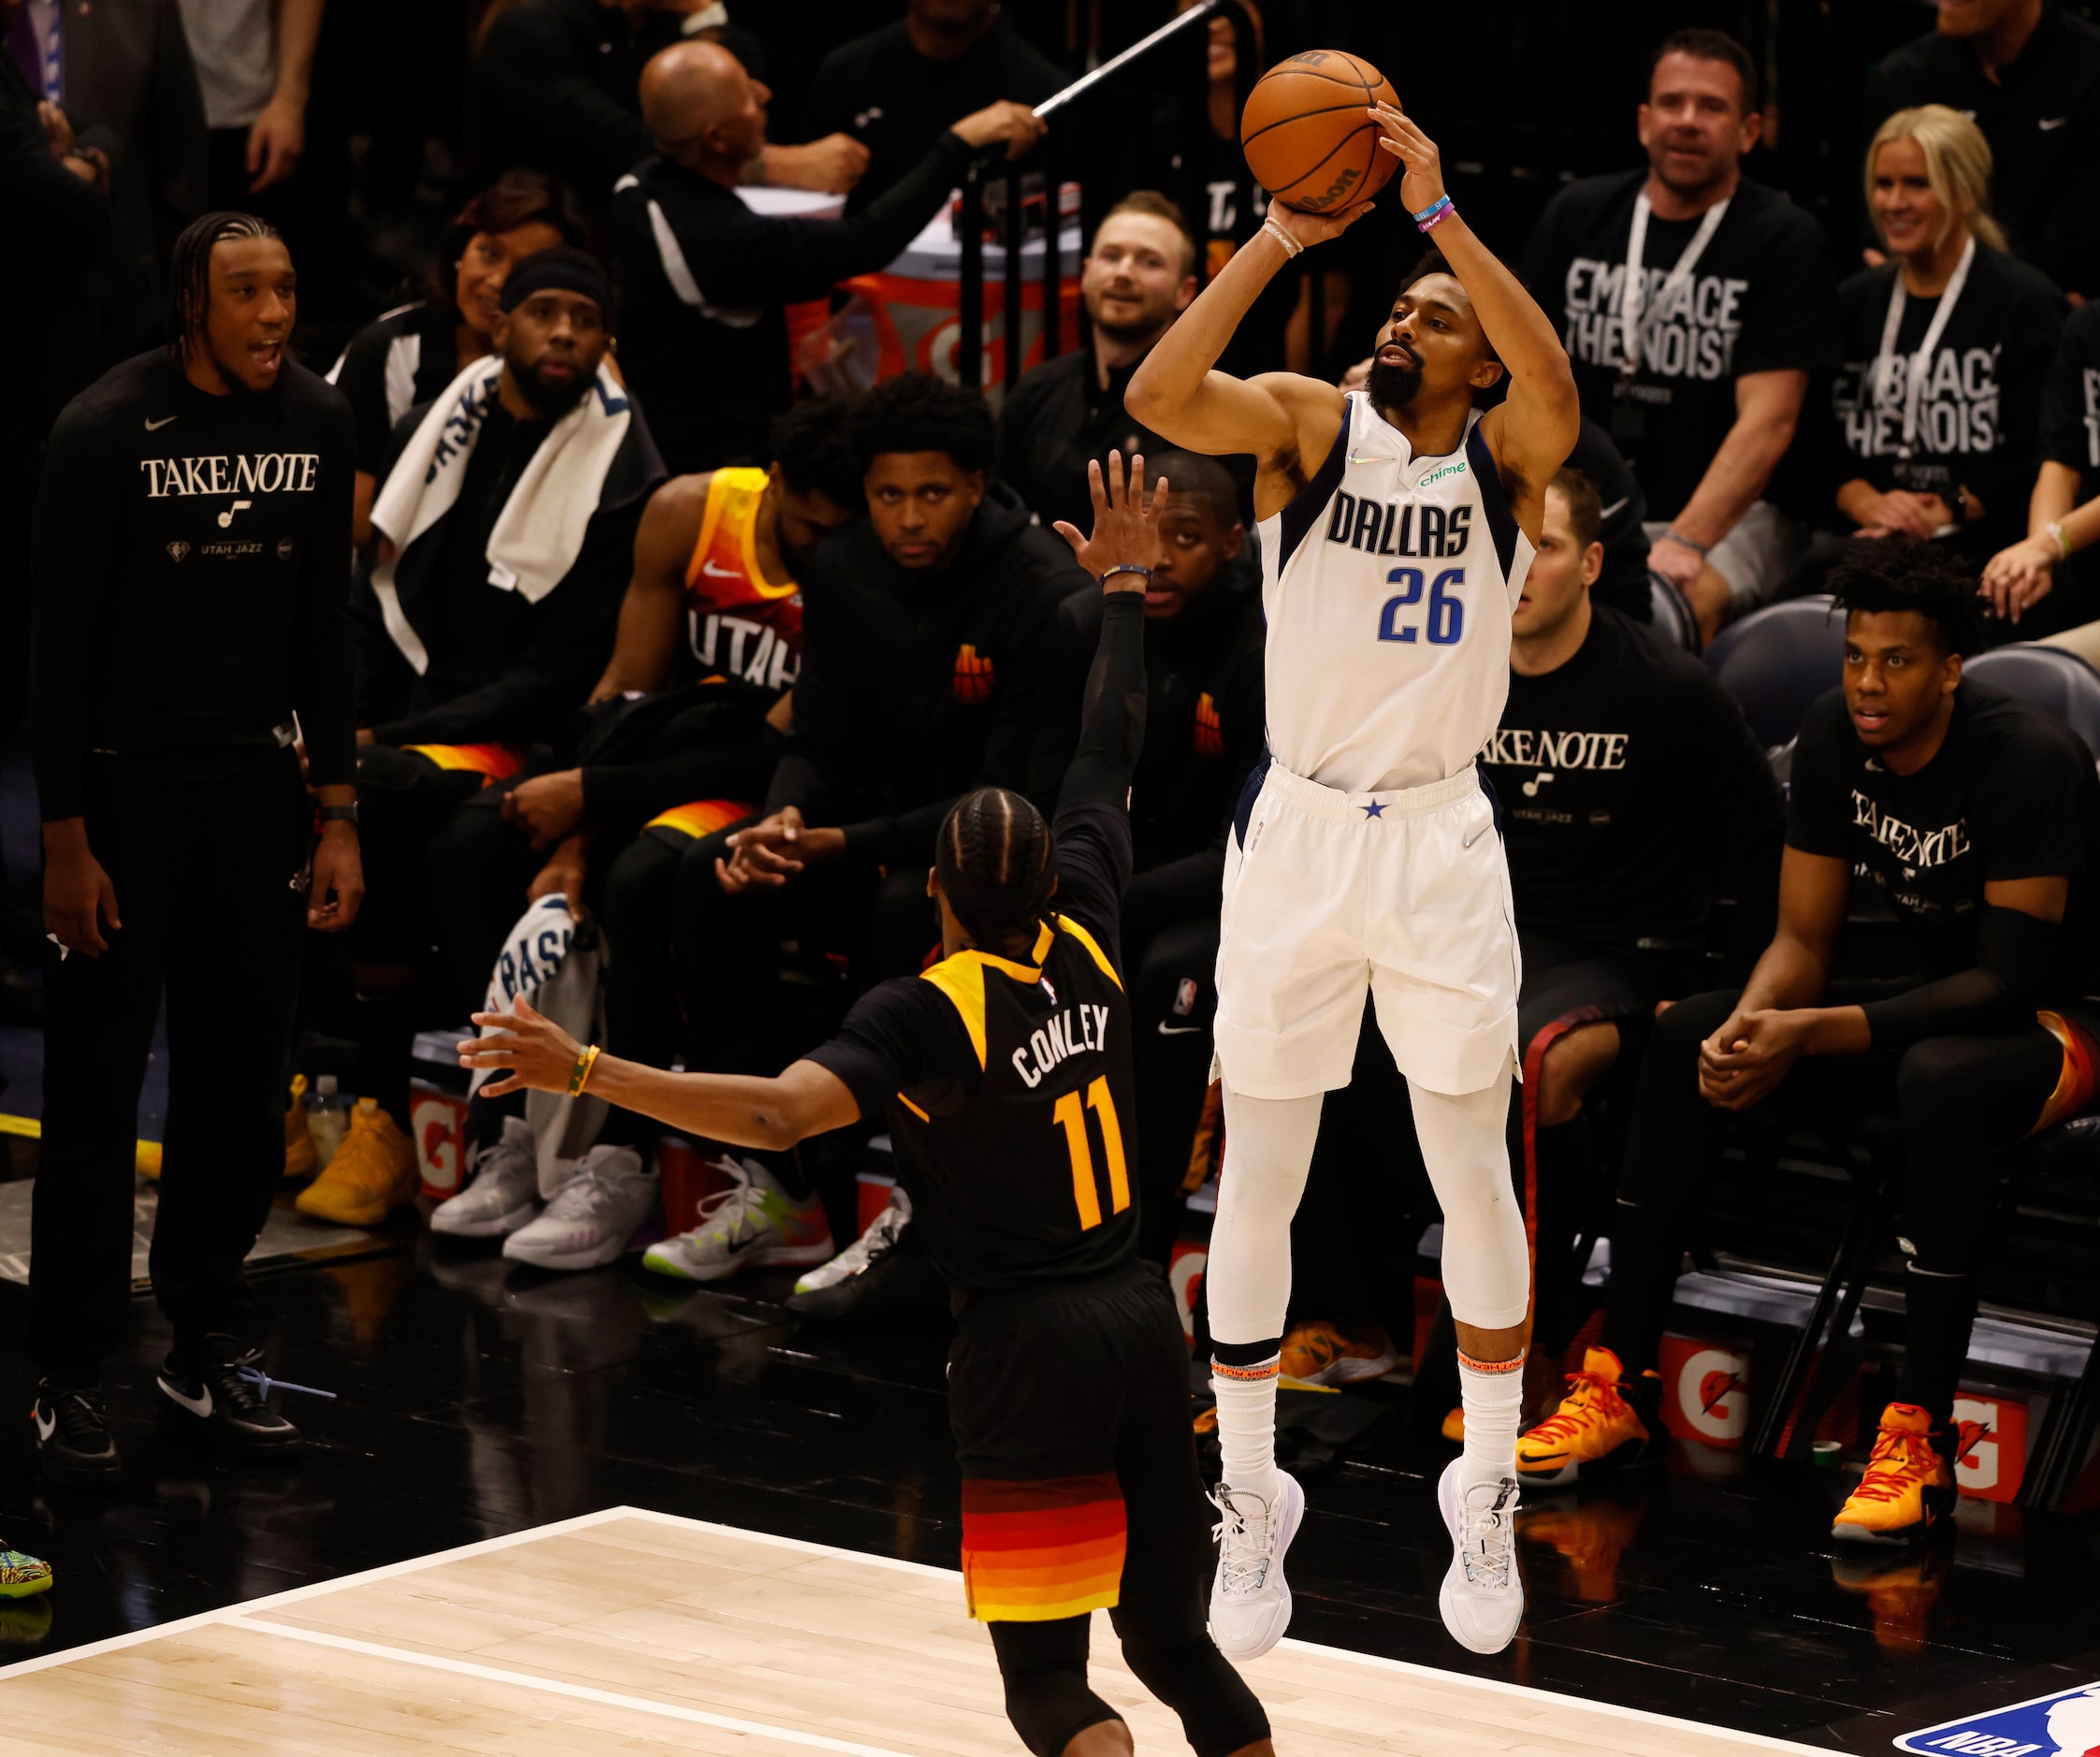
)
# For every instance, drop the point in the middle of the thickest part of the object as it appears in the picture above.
(975, 679)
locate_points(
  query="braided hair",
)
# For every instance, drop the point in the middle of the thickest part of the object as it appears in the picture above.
(189, 270)
(998, 861)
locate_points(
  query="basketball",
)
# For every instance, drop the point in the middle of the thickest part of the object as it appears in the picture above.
(1307, 139)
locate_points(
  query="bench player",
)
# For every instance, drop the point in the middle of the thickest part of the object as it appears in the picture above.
(1396, 525)
(1006, 1073)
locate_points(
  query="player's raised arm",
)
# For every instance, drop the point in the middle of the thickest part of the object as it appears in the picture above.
(1279, 416)
(1533, 431)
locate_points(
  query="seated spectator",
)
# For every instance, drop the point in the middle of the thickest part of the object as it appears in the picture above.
(121, 76)
(1930, 430)
(1978, 818)
(1695, 357)
(1633, 795)
(1204, 731)
(556, 86)
(706, 277)
(890, 89)
(1139, 275)
(927, 669)
(486, 609)
(2028, 75)
(2060, 524)
(404, 357)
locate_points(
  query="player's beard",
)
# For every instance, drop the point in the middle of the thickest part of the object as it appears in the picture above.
(550, 402)
(1392, 386)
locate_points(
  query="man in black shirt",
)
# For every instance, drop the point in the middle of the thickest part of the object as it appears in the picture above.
(890, 89)
(1068, 1384)
(707, 279)
(1978, 818)
(190, 564)
(2029, 75)
(484, 612)
(1729, 306)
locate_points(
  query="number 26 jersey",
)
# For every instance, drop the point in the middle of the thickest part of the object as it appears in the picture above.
(1389, 581)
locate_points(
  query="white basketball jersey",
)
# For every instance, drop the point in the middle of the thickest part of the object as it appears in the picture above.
(1389, 583)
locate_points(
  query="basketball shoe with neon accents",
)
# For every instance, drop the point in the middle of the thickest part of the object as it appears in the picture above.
(1605, 1423)
(1909, 1485)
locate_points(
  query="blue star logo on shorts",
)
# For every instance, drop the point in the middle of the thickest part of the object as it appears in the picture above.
(1372, 810)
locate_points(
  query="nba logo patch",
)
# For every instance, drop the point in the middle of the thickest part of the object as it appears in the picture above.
(1185, 997)
(2066, 1724)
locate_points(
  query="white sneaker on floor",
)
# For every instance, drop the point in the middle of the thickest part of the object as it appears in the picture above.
(501, 1195)
(1482, 1595)
(749, 1226)
(881, 1234)
(1250, 1600)
(592, 1216)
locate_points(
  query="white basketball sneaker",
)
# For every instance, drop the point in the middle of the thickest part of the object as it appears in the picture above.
(502, 1195)
(1482, 1595)
(752, 1223)
(1250, 1600)
(880, 1235)
(592, 1216)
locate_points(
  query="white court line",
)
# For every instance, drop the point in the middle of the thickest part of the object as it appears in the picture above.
(554, 1687)
(416, 1564)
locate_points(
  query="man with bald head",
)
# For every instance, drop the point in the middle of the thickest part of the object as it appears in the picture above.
(705, 340)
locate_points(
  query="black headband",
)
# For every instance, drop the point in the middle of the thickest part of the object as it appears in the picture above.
(564, 267)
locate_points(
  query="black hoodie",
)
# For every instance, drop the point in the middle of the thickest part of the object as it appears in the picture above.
(917, 685)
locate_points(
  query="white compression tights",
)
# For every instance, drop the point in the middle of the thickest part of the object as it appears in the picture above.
(1269, 1149)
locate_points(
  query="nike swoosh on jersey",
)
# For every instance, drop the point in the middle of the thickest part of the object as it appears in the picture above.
(2049, 124)
(720, 573)
(1167, 1030)
(1617, 507)
(195, 1405)
(154, 426)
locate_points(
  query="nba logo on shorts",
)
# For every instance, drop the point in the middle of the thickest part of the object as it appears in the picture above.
(1185, 997)
(2066, 1724)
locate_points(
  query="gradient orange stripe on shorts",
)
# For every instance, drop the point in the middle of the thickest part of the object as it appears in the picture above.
(492, 763)
(700, 817)
(1036, 1551)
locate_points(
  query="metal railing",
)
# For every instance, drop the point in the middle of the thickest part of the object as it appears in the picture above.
(1106, 80)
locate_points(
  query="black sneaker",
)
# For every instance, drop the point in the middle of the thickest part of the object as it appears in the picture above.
(891, 1278)
(73, 1440)
(219, 1394)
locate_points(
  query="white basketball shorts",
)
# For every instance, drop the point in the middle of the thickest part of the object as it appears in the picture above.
(1327, 893)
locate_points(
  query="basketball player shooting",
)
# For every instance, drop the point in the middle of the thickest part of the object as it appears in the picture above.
(1396, 525)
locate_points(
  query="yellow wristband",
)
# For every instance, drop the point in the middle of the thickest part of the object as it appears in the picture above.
(580, 1075)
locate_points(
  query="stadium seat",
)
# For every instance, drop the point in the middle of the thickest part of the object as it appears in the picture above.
(1777, 661)
(1671, 622)
(2049, 677)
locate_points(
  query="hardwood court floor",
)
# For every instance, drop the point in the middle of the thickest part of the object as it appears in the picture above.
(635, 1632)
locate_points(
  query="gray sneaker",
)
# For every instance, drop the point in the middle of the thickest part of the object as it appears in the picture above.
(503, 1193)
(880, 1235)
(592, 1216)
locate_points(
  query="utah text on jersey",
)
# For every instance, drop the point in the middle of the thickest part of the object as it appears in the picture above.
(741, 647)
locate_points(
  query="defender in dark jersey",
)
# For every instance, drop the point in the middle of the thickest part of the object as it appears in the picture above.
(1005, 1070)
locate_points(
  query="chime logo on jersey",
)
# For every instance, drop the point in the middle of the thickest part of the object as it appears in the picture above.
(2066, 1724)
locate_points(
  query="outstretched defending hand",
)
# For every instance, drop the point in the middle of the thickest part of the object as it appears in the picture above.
(1125, 523)
(539, 1054)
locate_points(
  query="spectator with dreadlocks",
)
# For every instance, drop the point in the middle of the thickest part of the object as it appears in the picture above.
(190, 568)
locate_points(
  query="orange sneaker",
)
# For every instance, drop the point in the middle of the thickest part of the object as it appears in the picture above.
(371, 1173)
(302, 1158)
(1321, 1353)
(1454, 1425)
(1909, 1486)
(1596, 1428)
(1901, 1591)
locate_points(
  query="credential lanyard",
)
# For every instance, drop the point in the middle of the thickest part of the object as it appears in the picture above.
(1633, 289)
(1919, 366)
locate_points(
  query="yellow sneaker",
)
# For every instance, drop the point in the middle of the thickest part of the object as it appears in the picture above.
(1321, 1353)
(1908, 1487)
(1454, 1425)
(373, 1173)
(1901, 1592)
(1597, 1427)
(302, 1158)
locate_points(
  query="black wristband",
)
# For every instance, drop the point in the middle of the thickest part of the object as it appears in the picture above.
(339, 814)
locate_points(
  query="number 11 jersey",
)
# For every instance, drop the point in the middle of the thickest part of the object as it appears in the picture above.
(1389, 581)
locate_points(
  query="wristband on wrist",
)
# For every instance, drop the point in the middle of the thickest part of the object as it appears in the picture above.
(1683, 541)
(1437, 215)
(579, 1076)
(1427, 215)
(339, 814)
(2055, 529)
(1125, 567)
(1290, 246)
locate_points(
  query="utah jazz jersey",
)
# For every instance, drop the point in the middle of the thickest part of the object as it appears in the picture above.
(1010, 1093)
(740, 623)
(1389, 582)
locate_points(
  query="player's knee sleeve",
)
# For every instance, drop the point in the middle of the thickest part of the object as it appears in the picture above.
(1219, 1714)
(1269, 1150)
(1486, 1263)
(1043, 1666)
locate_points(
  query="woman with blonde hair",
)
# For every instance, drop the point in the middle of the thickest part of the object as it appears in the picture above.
(1934, 414)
